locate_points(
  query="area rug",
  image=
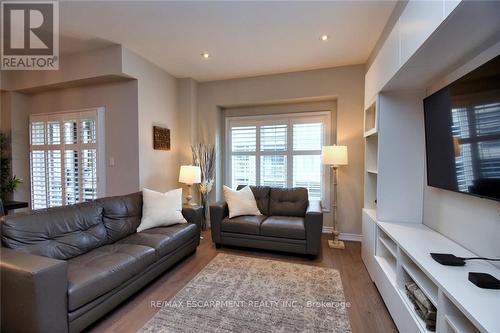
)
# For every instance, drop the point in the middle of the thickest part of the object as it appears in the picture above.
(241, 294)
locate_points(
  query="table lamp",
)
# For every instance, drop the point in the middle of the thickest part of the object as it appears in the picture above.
(334, 156)
(189, 175)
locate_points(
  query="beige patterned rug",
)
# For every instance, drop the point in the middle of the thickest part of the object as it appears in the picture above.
(241, 294)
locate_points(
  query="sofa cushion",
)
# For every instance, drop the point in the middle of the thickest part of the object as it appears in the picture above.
(163, 241)
(247, 224)
(101, 270)
(288, 201)
(261, 194)
(121, 215)
(178, 235)
(161, 209)
(284, 227)
(59, 233)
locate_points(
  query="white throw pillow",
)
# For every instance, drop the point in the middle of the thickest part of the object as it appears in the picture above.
(241, 202)
(161, 209)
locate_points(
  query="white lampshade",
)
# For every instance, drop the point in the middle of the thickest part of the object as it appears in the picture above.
(334, 155)
(190, 174)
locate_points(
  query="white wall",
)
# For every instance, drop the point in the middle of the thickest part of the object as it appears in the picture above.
(136, 94)
(18, 139)
(77, 68)
(472, 222)
(188, 122)
(344, 84)
(120, 102)
(157, 106)
(186, 102)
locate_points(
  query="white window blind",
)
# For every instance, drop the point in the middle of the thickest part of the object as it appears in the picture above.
(278, 151)
(66, 158)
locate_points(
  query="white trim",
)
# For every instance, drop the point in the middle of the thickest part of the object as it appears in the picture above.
(344, 236)
(101, 152)
(323, 116)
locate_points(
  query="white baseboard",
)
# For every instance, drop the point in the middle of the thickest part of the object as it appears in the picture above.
(344, 236)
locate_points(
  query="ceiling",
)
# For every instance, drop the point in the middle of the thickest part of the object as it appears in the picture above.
(243, 38)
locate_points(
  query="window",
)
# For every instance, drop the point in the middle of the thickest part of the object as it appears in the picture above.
(65, 158)
(278, 151)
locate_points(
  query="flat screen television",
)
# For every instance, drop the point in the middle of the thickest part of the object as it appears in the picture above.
(462, 133)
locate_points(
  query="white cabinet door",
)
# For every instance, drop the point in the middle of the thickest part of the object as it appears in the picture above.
(385, 65)
(368, 243)
(417, 22)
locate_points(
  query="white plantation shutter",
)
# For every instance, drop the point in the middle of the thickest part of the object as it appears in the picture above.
(273, 137)
(278, 151)
(273, 171)
(307, 143)
(307, 136)
(71, 177)
(244, 172)
(244, 138)
(65, 158)
(38, 180)
(244, 144)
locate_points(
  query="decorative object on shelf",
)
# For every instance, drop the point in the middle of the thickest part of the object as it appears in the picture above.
(161, 138)
(204, 157)
(423, 307)
(189, 175)
(334, 156)
(8, 183)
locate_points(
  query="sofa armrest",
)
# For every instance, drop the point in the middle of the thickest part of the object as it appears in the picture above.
(218, 211)
(193, 215)
(314, 227)
(34, 293)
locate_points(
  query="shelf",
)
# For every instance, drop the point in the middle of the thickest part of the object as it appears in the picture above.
(390, 246)
(388, 266)
(410, 305)
(370, 125)
(422, 281)
(460, 324)
(466, 301)
(370, 132)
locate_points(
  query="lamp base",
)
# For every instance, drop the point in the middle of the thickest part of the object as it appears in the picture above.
(336, 244)
(189, 198)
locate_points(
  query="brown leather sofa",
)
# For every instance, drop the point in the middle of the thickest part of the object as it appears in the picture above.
(63, 268)
(290, 222)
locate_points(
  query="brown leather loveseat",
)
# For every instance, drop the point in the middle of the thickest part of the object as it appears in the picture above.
(63, 268)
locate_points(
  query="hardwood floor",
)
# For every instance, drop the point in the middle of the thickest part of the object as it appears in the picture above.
(367, 312)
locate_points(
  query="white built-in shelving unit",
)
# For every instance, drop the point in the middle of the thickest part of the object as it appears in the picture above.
(396, 244)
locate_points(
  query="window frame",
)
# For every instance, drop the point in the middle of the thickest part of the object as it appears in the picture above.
(100, 145)
(324, 116)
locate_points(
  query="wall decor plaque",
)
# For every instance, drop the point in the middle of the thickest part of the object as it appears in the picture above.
(161, 138)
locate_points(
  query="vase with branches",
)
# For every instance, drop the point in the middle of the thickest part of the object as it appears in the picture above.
(8, 183)
(204, 157)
